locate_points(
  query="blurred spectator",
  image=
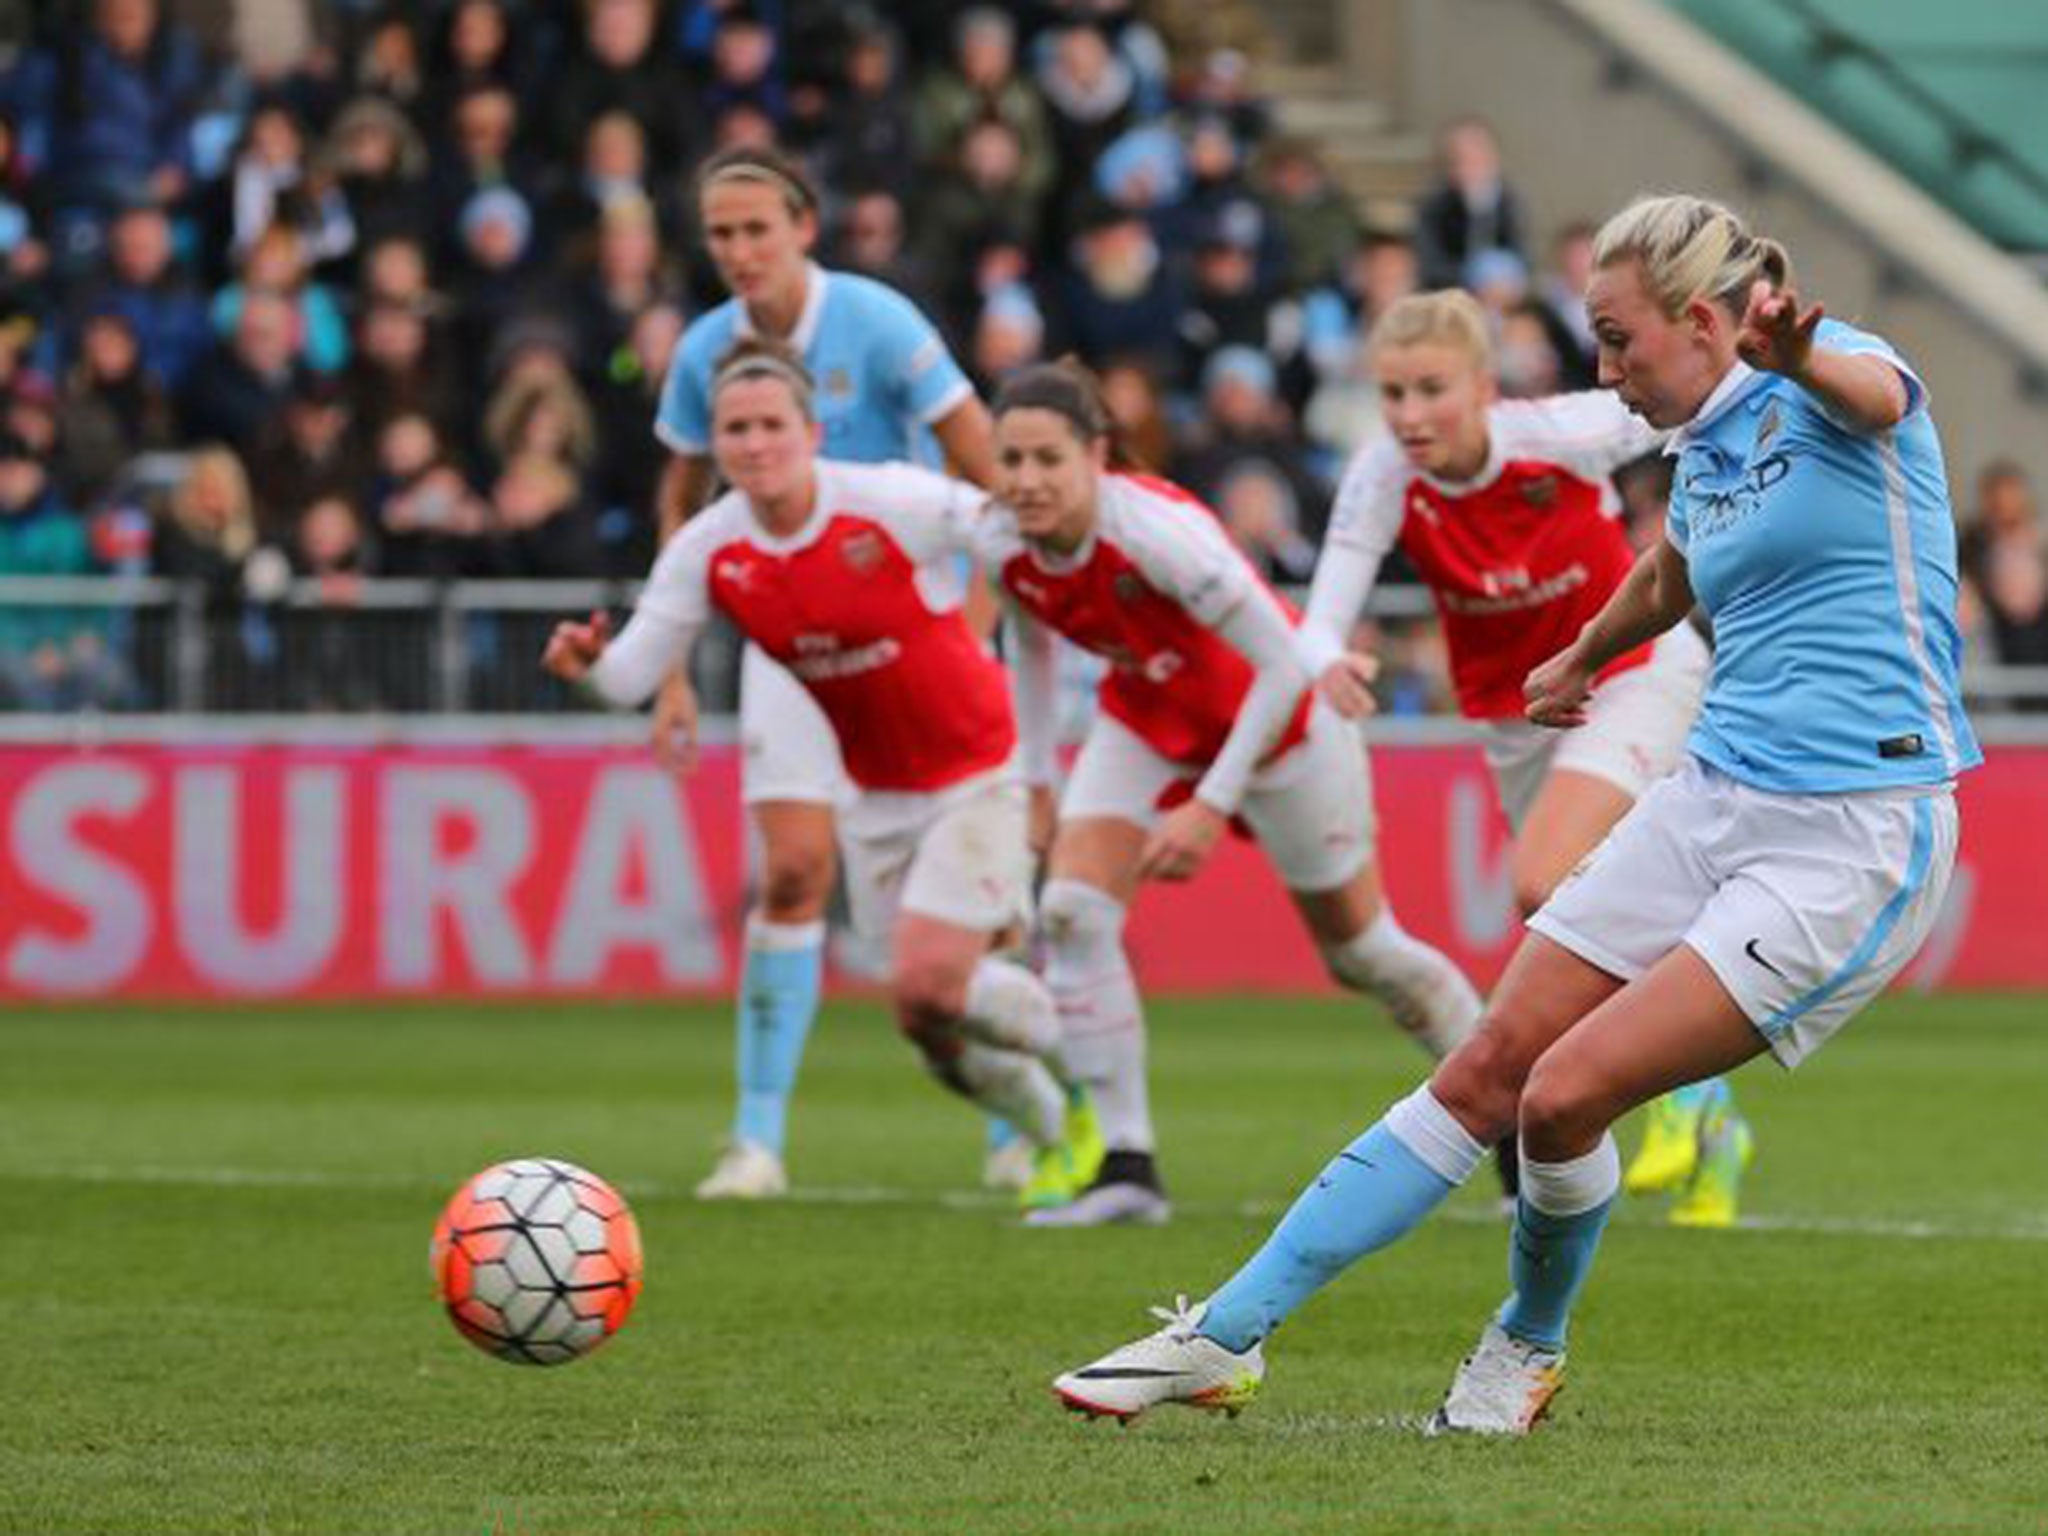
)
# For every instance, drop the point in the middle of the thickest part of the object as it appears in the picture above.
(1319, 228)
(745, 67)
(1090, 97)
(1009, 333)
(337, 662)
(208, 528)
(390, 64)
(870, 240)
(380, 162)
(1228, 304)
(978, 200)
(618, 64)
(51, 658)
(481, 154)
(272, 185)
(1221, 82)
(1499, 280)
(276, 263)
(1525, 358)
(496, 267)
(1131, 395)
(331, 545)
(631, 458)
(543, 521)
(1117, 297)
(613, 169)
(474, 45)
(1218, 190)
(307, 452)
(540, 410)
(1248, 465)
(1471, 210)
(24, 257)
(111, 408)
(244, 379)
(2005, 560)
(982, 83)
(399, 368)
(1562, 291)
(869, 140)
(143, 284)
(105, 112)
(429, 521)
(396, 271)
(627, 273)
(1344, 401)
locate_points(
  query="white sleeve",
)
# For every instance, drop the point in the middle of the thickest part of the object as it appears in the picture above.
(673, 609)
(1034, 684)
(1591, 433)
(1258, 630)
(929, 515)
(1365, 524)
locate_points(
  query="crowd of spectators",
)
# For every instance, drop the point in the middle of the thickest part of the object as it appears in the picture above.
(330, 289)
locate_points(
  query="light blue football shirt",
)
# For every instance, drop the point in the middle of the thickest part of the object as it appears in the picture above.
(882, 372)
(1827, 562)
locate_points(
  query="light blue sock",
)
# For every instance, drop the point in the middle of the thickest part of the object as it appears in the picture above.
(778, 999)
(1552, 1250)
(1371, 1193)
(1000, 1133)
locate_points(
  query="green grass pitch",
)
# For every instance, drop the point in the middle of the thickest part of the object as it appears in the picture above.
(213, 1253)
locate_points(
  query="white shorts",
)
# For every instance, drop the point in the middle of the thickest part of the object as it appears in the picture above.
(1311, 809)
(788, 748)
(961, 854)
(1634, 733)
(1804, 905)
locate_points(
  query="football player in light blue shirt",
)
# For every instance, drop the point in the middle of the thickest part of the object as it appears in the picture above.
(1750, 902)
(886, 388)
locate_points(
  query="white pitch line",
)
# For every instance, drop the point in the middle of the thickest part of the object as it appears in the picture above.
(2030, 1230)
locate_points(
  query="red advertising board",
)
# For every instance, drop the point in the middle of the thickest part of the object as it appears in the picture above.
(301, 871)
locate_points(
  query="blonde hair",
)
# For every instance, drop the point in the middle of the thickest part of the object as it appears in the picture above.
(1449, 317)
(1690, 248)
(235, 534)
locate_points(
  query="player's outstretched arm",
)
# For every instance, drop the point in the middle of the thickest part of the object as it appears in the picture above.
(1859, 391)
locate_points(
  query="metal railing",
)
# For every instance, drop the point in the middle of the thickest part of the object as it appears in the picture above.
(408, 647)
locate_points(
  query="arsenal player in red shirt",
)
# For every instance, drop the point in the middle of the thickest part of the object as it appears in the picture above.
(1204, 716)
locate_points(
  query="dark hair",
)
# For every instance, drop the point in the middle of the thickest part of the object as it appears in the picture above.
(770, 167)
(762, 357)
(1067, 388)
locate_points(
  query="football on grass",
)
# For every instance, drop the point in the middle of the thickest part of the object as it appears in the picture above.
(537, 1261)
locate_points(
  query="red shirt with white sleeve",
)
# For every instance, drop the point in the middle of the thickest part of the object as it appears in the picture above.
(1518, 558)
(846, 604)
(1185, 622)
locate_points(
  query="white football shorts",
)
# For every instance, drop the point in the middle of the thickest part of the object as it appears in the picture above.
(1805, 906)
(960, 854)
(1634, 733)
(1311, 809)
(788, 748)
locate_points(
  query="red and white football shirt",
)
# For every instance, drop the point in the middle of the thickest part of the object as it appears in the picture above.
(1518, 558)
(915, 699)
(1147, 593)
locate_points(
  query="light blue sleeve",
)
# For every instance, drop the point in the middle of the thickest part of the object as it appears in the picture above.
(1840, 336)
(683, 418)
(1676, 530)
(914, 364)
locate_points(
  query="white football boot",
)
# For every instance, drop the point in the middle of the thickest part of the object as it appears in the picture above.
(746, 1170)
(1174, 1365)
(1503, 1388)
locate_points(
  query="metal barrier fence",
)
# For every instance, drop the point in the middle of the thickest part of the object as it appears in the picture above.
(148, 645)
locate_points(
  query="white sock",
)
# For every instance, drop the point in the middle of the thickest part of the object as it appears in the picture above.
(1575, 1187)
(1101, 1016)
(1013, 1086)
(1437, 1137)
(1010, 1009)
(1428, 996)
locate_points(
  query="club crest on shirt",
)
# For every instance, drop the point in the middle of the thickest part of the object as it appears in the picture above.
(1768, 428)
(837, 383)
(1539, 491)
(1421, 506)
(862, 551)
(1128, 588)
(737, 574)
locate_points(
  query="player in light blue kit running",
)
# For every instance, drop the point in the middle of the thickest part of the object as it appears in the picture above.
(886, 385)
(1754, 900)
